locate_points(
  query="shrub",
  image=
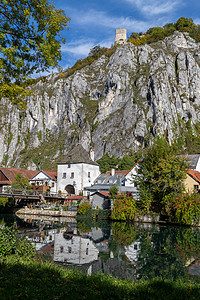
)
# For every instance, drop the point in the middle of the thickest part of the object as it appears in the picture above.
(11, 243)
(83, 208)
(187, 208)
(124, 208)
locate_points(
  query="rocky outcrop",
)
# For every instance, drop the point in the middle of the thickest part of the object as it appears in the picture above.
(116, 104)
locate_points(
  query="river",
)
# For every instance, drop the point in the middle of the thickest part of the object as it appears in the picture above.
(126, 251)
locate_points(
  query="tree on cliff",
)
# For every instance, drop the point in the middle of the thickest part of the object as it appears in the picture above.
(30, 41)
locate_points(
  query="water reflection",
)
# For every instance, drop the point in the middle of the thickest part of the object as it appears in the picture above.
(131, 251)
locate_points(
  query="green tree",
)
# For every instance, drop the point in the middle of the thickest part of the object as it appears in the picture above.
(113, 190)
(20, 182)
(160, 176)
(124, 208)
(30, 41)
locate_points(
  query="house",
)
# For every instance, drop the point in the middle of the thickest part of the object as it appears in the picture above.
(123, 179)
(100, 200)
(73, 201)
(44, 181)
(192, 181)
(7, 176)
(77, 170)
(193, 160)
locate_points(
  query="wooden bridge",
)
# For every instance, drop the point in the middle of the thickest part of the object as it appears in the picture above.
(31, 195)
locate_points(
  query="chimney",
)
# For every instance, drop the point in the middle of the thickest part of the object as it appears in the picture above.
(92, 154)
(113, 172)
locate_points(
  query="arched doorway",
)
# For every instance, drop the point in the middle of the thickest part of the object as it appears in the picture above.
(70, 189)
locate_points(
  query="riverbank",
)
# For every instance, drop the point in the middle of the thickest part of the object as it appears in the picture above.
(46, 212)
(35, 280)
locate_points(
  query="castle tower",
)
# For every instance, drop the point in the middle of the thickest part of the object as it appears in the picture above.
(120, 36)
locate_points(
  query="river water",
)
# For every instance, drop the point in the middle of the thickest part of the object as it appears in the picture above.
(126, 251)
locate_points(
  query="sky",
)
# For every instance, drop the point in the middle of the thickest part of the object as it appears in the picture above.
(94, 22)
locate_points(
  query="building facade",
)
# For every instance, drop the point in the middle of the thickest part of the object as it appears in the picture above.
(76, 171)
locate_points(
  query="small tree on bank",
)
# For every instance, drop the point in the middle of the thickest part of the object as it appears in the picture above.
(20, 182)
(160, 176)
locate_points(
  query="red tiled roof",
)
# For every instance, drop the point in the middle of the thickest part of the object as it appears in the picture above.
(52, 174)
(117, 172)
(10, 173)
(125, 172)
(104, 193)
(195, 175)
(74, 197)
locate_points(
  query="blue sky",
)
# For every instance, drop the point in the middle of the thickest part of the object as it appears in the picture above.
(94, 22)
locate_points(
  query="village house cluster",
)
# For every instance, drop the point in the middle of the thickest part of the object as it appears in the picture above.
(79, 174)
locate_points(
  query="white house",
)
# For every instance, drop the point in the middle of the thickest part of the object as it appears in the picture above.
(77, 171)
(123, 179)
(44, 180)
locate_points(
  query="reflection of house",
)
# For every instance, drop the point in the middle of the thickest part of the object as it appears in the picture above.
(123, 179)
(192, 182)
(44, 180)
(132, 251)
(7, 176)
(100, 200)
(194, 268)
(42, 239)
(74, 249)
(78, 170)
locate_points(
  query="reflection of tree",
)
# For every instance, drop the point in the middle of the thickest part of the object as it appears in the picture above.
(159, 255)
(123, 233)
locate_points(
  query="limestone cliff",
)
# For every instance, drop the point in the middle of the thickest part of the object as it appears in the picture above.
(116, 104)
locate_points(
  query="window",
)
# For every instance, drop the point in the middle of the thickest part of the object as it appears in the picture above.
(196, 187)
(61, 249)
(86, 251)
(52, 184)
(64, 175)
(72, 175)
(135, 247)
(69, 249)
(69, 166)
(88, 174)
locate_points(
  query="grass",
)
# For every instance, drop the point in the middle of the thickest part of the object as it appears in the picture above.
(21, 279)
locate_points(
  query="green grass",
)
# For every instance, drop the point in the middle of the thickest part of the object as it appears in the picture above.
(37, 280)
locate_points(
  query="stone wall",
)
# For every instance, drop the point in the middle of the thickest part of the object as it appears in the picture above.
(46, 212)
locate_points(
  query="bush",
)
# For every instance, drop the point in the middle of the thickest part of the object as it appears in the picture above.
(11, 243)
(124, 208)
(187, 208)
(83, 208)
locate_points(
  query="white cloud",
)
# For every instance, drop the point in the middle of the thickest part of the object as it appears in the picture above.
(78, 48)
(100, 18)
(197, 21)
(155, 7)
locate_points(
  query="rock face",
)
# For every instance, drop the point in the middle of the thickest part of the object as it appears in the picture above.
(116, 104)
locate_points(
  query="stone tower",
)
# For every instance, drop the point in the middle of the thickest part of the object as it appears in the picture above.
(120, 36)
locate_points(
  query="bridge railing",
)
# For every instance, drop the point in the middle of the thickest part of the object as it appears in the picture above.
(24, 192)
